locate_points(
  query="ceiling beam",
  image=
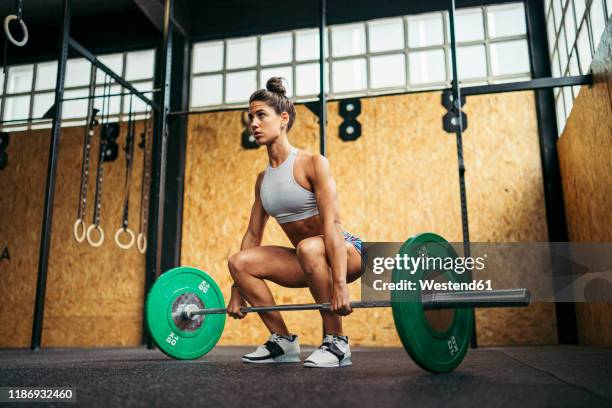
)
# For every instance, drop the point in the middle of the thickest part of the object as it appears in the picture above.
(154, 10)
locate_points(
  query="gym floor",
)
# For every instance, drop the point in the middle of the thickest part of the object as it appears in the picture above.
(563, 376)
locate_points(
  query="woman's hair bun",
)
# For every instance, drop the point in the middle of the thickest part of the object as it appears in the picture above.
(275, 85)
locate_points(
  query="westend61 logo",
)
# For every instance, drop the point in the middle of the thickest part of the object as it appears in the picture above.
(411, 264)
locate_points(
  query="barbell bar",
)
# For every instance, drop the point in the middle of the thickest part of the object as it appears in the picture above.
(430, 301)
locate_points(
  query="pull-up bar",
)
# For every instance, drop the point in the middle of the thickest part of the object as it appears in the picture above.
(92, 58)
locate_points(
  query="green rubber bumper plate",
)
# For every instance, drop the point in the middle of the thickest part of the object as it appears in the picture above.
(172, 292)
(435, 350)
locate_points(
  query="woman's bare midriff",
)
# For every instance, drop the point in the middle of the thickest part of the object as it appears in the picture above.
(298, 230)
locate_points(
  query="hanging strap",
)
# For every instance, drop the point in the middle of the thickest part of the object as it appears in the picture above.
(146, 181)
(129, 156)
(79, 229)
(95, 226)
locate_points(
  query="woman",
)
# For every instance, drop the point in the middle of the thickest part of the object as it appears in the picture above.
(298, 190)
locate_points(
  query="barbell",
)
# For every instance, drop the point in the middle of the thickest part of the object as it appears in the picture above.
(432, 301)
(185, 310)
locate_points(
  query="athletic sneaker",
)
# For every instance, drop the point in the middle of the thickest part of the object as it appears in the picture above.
(278, 349)
(334, 352)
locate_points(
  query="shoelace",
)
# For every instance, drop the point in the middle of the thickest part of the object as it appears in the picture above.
(328, 341)
(273, 337)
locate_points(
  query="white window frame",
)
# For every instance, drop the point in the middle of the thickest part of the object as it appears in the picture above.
(18, 124)
(369, 91)
(554, 43)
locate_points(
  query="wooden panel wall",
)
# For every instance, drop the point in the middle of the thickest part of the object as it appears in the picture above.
(585, 156)
(22, 185)
(94, 297)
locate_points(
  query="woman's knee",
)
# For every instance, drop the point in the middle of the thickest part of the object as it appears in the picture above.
(311, 252)
(238, 264)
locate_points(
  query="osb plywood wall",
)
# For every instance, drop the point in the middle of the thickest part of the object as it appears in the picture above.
(505, 196)
(94, 297)
(585, 156)
(398, 179)
(22, 185)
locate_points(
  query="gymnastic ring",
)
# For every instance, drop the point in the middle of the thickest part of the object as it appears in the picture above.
(7, 30)
(131, 241)
(77, 225)
(91, 228)
(141, 242)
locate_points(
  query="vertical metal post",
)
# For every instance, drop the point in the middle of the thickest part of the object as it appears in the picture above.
(548, 133)
(177, 147)
(160, 143)
(47, 222)
(322, 95)
(456, 91)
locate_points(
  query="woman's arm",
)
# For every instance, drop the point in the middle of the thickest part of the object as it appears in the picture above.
(252, 238)
(335, 247)
(257, 222)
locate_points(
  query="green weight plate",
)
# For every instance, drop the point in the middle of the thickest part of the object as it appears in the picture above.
(170, 294)
(439, 350)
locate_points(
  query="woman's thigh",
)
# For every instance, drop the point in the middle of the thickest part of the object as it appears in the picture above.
(274, 263)
(316, 245)
(281, 265)
(353, 267)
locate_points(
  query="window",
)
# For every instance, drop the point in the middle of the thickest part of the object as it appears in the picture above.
(427, 67)
(348, 40)
(309, 79)
(574, 30)
(584, 49)
(569, 24)
(207, 57)
(238, 84)
(365, 58)
(469, 25)
(504, 59)
(139, 65)
(276, 49)
(46, 75)
(307, 45)
(241, 53)
(386, 35)
(505, 21)
(28, 91)
(19, 79)
(213, 86)
(42, 102)
(349, 75)
(598, 21)
(77, 73)
(425, 30)
(385, 73)
(471, 62)
(16, 107)
(562, 47)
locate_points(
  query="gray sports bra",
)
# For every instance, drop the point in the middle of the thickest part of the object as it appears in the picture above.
(282, 197)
